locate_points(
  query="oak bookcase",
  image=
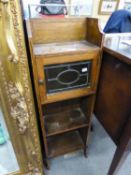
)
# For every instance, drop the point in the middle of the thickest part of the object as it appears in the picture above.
(65, 57)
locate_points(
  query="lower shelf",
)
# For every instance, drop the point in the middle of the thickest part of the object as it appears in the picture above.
(64, 143)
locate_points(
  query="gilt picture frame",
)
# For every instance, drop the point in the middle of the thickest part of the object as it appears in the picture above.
(16, 91)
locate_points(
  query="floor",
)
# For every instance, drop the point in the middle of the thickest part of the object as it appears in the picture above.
(100, 154)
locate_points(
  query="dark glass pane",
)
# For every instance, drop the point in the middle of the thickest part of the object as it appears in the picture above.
(52, 72)
(68, 77)
(62, 77)
(54, 86)
(82, 68)
(83, 81)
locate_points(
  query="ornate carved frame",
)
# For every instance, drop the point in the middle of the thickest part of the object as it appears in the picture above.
(16, 91)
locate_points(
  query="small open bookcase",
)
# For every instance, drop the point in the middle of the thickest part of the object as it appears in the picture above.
(65, 57)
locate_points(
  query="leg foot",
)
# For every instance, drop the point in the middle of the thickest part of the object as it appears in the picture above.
(85, 152)
(92, 127)
(47, 164)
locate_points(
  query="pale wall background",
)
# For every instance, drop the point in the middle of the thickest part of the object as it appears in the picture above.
(94, 10)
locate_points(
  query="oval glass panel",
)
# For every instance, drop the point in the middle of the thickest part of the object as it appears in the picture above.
(68, 77)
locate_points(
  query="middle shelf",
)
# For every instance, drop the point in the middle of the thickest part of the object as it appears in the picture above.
(65, 121)
(65, 116)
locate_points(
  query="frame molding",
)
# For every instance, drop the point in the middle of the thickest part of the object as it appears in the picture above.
(15, 87)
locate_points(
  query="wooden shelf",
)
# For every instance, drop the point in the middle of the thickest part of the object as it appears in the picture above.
(64, 143)
(63, 48)
(65, 121)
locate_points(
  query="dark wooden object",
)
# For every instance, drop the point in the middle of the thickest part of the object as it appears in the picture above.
(113, 102)
(65, 116)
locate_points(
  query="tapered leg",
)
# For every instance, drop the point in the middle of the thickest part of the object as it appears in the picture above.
(122, 151)
(119, 158)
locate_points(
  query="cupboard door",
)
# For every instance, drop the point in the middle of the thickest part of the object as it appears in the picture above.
(80, 80)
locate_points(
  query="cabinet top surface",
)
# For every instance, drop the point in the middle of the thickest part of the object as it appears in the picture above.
(119, 45)
(64, 47)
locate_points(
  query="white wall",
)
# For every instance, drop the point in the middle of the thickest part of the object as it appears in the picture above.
(93, 10)
(25, 4)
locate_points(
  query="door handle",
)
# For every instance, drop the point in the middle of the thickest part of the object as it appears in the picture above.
(41, 82)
